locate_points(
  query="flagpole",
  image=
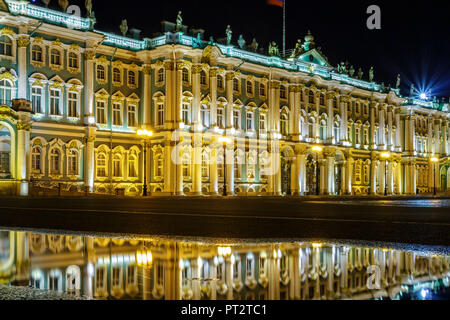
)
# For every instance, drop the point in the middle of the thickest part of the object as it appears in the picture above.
(284, 28)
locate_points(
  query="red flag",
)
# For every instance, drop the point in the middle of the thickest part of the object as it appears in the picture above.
(278, 3)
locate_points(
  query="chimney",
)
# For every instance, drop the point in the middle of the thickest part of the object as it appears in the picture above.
(135, 33)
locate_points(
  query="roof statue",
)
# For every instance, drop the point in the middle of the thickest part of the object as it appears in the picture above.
(273, 49)
(254, 45)
(241, 42)
(298, 49)
(211, 40)
(124, 27)
(229, 34)
(88, 5)
(397, 85)
(411, 90)
(63, 4)
(352, 71)
(360, 73)
(179, 22)
(371, 74)
(46, 2)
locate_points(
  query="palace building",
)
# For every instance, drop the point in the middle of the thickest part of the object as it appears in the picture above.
(73, 99)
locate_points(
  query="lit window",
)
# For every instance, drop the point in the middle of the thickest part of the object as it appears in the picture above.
(36, 54)
(117, 114)
(249, 120)
(219, 82)
(5, 46)
(185, 75)
(160, 118)
(116, 75)
(185, 112)
(131, 78)
(72, 162)
(117, 166)
(203, 78)
(101, 165)
(249, 87)
(235, 85)
(204, 114)
(55, 100)
(101, 112)
(73, 105)
(36, 99)
(131, 115)
(73, 60)
(101, 73)
(132, 166)
(262, 90)
(5, 92)
(262, 122)
(161, 75)
(55, 57)
(55, 157)
(236, 119)
(220, 118)
(36, 160)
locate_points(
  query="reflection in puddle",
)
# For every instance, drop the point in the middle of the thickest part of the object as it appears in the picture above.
(103, 268)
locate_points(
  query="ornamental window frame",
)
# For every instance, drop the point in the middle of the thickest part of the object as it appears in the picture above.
(130, 72)
(262, 119)
(36, 160)
(185, 76)
(205, 115)
(118, 163)
(133, 160)
(73, 55)
(74, 87)
(58, 111)
(262, 90)
(102, 151)
(186, 163)
(204, 78)
(220, 88)
(160, 76)
(7, 88)
(38, 81)
(133, 100)
(41, 144)
(250, 88)
(4, 43)
(236, 118)
(158, 163)
(74, 148)
(117, 75)
(102, 97)
(37, 63)
(56, 51)
(159, 101)
(98, 72)
(205, 162)
(220, 116)
(236, 85)
(52, 162)
(186, 108)
(117, 99)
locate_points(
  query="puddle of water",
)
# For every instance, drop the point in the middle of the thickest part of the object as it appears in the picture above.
(172, 269)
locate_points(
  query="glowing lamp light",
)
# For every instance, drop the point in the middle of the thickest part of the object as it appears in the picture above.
(317, 245)
(225, 140)
(224, 251)
(91, 120)
(434, 159)
(144, 133)
(423, 96)
(385, 155)
(317, 149)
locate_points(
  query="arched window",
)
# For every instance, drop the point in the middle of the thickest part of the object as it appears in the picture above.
(262, 89)
(36, 54)
(5, 152)
(159, 165)
(101, 165)
(117, 165)
(101, 73)
(116, 75)
(132, 166)
(36, 165)
(185, 75)
(311, 129)
(235, 85)
(5, 46)
(55, 57)
(204, 114)
(203, 78)
(322, 99)
(5, 92)
(249, 87)
(284, 118)
(358, 135)
(161, 75)
(73, 60)
(131, 78)
(55, 157)
(219, 82)
(283, 92)
(237, 167)
(311, 98)
(72, 162)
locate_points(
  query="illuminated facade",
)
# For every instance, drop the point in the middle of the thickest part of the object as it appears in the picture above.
(102, 268)
(73, 98)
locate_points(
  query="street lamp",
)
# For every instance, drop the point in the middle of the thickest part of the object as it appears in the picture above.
(385, 156)
(225, 140)
(146, 135)
(317, 150)
(434, 160)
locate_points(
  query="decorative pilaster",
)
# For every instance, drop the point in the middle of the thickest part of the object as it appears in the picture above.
(330, 120)
(229, 93)
(23, 152)
(147, 71)
(89, 57)
(213, 72)
(213, 173)
(89, 160)
(196, 120)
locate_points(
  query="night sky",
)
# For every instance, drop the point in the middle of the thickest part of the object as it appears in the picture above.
(414, 39)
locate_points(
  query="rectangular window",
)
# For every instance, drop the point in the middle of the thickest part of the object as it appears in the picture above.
(220, 117)
(160, 115)
(36, 100)
(249, 120)
(55, 98)
(73, 105)
(236, 116)
(117, 117)
(262, 122)
(132, 116)
(101, 112)
(185, 113)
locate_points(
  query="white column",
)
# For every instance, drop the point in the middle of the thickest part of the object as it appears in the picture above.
(213, 95)
(89, 159)
(147, 95)
(89, 86)
(437, 135)
(213, 174)
(23, 153)
(22, 43)
(330, 120)
(397, 131)
(390, 142)
(229, 94)
(382, 129)
(349, 175)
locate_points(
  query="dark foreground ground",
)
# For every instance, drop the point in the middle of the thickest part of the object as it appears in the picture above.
(418, 221)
